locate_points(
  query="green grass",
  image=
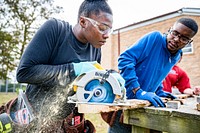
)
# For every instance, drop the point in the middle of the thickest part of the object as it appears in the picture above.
(100, 125)
(5, 97)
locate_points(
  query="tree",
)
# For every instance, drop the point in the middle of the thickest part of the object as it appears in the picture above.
(19, 20)
(8, 53)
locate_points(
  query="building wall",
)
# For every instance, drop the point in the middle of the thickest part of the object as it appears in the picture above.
(190, 63)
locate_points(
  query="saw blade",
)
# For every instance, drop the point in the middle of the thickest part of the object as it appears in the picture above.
(101, 92)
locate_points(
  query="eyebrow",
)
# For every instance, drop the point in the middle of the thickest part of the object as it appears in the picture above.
(103, 24)
(98, 22)
(182, 35)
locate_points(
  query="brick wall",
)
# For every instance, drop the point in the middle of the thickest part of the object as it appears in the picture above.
(118, 43)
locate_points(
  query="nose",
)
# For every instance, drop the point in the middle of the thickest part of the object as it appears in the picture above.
(106, 35)
(176, 38)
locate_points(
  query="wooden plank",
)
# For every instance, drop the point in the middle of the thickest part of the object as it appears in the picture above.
(198, 106)
(183, 120)
(182, 96)
(97, 108)
(173, 104)
(162, 120)
(129, 104)
(198, 99)
(136, 129)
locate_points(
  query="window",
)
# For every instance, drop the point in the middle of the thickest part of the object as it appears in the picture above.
(188, 49)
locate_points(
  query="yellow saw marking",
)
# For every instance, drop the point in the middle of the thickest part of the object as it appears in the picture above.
(75, 87)
(98, 66)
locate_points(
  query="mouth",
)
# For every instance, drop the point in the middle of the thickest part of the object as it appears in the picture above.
(172, 46)
(102, 43)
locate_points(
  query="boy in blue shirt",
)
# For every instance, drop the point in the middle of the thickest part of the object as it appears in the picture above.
(146, 63)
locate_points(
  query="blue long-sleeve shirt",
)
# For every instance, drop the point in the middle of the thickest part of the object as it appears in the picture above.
(146, 63)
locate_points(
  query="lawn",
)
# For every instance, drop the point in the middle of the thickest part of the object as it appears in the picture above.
(100, 125)
(5, 97)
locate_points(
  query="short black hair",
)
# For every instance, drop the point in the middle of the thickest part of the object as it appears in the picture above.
(89, 7)
(190, 23)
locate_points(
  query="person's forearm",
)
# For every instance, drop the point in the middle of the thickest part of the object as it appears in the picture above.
(188, 91)
(47, 75)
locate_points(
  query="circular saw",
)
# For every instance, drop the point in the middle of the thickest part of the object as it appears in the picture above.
(98, 86)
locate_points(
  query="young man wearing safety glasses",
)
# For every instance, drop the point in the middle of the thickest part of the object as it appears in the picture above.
(57, 54)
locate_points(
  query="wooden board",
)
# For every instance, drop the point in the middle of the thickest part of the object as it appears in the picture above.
(130, 104)
(182, 96)
(185, 119)
(92, 108)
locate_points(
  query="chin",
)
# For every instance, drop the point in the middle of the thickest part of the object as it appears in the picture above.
(97, 46)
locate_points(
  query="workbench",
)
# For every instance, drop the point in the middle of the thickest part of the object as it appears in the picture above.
(186, 119)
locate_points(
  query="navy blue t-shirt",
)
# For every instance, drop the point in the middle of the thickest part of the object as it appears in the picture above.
(46, 65)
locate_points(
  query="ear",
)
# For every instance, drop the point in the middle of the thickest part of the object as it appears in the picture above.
(82, 22)
(169, 29)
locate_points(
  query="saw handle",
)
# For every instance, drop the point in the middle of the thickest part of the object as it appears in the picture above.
(105, 76)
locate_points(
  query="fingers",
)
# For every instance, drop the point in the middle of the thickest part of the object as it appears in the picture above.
(169, 95)
(173, 97)
(197, 90)
(197, 87)
(94, 63)
(157, 102)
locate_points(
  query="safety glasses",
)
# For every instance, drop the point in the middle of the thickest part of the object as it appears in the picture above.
(102, 28)
(182, 38)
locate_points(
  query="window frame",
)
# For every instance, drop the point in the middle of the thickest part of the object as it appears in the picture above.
(188, 49)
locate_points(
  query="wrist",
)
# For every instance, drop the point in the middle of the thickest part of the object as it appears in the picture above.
(135, 90)
(189, 91)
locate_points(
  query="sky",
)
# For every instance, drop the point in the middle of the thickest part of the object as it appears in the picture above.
(127, 12)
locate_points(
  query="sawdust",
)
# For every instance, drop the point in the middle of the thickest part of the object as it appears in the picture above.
(53, 110)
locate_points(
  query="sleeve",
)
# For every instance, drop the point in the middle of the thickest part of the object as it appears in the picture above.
(183, 81)
(159, 89)
(167, 84)
(132, 57)
(34, 67)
